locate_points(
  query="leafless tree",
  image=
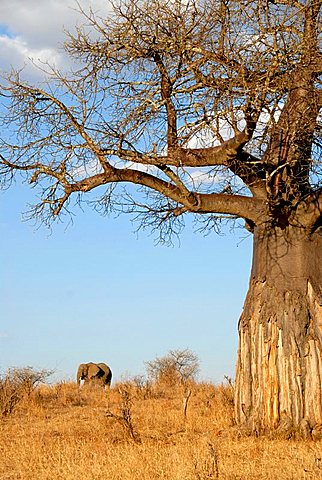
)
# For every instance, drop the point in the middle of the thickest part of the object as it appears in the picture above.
(208, 108)
(18, 383)
(176, 366)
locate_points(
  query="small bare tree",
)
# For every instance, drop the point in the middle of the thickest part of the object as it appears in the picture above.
(178, 366)
(18, 383)
(124, 417)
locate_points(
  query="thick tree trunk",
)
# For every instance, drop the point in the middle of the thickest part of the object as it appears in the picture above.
(279, 365)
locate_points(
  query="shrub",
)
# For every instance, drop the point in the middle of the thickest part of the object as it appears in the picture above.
(18, 383)
(178, 366)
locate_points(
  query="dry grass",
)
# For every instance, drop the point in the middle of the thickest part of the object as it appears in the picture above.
(64, 433)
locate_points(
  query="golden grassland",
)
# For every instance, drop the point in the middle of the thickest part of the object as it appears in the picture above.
(140, 433)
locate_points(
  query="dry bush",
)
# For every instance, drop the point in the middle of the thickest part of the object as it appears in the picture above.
(17, 385)
(124, 415)
(177, 366)
(9, 396)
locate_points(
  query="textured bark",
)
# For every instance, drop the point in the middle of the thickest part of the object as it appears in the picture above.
(279, 362)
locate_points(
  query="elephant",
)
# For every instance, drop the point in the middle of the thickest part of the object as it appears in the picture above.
(94, 373)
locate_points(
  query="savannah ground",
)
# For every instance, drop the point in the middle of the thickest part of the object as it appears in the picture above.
(139, 431)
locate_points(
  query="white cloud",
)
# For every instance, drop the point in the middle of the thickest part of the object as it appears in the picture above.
(206, 136)
(41, 23)
(38, 23)
(93, 167)
(16, 53)
(34, 29)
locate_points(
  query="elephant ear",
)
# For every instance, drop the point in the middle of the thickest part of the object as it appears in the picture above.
(83, 368)
(93, 370)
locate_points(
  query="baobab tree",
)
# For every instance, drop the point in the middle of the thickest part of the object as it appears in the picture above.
(209, 109)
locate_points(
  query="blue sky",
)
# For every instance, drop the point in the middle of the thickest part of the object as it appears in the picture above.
(96, 291)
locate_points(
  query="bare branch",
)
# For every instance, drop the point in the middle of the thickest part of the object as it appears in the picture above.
(199, 104)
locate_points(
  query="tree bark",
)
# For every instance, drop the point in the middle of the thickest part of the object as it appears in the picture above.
(279, 362)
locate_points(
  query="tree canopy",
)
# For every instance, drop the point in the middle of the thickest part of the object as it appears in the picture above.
(209, 107)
